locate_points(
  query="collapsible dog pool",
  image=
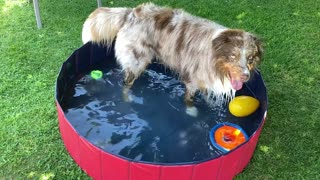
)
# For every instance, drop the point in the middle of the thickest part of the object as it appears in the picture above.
(149, 137)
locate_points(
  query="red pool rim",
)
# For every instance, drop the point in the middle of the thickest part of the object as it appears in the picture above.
(99, 164)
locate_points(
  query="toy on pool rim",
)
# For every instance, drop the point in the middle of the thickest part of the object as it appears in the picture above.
(96, 74)
(242, 106)
(227, 136)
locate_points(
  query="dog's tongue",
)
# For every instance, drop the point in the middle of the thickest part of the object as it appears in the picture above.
(236, 84)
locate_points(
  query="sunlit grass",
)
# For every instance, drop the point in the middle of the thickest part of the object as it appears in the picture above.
(9, 4)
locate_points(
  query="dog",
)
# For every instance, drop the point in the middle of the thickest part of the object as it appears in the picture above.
(208, 57)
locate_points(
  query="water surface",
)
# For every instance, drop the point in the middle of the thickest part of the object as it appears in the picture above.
(153, 127)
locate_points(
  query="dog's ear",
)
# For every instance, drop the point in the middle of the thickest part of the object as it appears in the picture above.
(231, 37)
(259, 45)
(219, 41)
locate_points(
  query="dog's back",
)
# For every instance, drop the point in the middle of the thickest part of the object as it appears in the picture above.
(174, 36)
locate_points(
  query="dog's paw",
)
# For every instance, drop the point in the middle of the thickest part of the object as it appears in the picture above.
(127, 98)
(126, 95)
(192, 111)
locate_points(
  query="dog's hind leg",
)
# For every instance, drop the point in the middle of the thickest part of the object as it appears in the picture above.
(130, 75)
(132, 55)
(129, 78)
(188, 99)
(133, 63)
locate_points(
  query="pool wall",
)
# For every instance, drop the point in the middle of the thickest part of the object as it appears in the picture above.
(99, 164)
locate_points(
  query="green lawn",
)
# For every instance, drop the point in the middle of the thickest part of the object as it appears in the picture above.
(30, 143)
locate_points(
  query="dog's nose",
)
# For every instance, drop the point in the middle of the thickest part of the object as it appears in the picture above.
(246, 71)
(246, 75)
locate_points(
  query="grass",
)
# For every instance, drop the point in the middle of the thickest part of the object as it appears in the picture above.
(30, 143)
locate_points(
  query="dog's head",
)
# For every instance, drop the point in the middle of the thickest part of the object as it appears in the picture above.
(236, 55)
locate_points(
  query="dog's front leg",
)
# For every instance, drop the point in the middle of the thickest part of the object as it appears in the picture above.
(188, 99)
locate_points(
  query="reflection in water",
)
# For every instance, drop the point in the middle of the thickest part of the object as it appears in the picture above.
(152, 127)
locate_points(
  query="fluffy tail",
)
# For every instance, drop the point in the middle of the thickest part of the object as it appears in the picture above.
(103, 24)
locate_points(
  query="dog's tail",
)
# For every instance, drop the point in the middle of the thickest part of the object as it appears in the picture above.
(103, 24)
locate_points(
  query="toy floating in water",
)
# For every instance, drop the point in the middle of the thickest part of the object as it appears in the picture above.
(96, 74)
(242, 106)
(227, 136)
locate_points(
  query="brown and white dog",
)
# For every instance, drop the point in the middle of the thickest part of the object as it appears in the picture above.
(208, 57)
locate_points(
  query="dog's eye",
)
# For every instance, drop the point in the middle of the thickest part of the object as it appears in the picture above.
(250, 59)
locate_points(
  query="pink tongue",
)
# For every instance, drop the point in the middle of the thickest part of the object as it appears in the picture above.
(237, 85)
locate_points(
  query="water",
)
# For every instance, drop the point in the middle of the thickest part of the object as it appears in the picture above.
(153, 127)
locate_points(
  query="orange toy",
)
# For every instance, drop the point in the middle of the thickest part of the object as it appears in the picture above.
(227, 136)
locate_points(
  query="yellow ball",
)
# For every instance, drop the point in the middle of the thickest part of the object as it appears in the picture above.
(242, 106)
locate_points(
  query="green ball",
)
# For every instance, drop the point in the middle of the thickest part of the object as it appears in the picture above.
(96, 74)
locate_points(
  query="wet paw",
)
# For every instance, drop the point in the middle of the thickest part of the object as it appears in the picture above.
(192, 111)
(126, 96)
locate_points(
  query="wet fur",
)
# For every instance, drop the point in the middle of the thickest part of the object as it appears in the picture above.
(206, 55)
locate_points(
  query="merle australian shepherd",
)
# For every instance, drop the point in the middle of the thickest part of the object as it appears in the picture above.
(208, 57)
